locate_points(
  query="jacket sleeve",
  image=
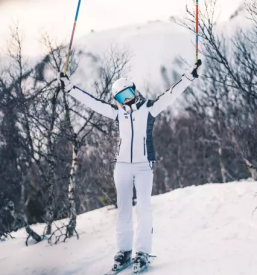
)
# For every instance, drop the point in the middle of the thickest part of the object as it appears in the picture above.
(167, 98)
(97, 105)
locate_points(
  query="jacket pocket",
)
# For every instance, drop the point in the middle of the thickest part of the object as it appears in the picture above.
(144, 146)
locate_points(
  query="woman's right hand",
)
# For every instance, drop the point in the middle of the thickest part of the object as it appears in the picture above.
(65, 82)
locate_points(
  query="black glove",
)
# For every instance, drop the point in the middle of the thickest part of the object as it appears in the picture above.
(195, 73)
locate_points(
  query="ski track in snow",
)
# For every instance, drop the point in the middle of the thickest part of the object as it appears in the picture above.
(204, 230)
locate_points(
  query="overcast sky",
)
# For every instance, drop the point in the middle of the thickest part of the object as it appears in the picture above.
(58, 15)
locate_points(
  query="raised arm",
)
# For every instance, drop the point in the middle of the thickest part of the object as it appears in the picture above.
(167, 98)
(97, 105)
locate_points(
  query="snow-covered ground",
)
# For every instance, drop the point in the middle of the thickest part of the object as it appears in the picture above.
(204, 230)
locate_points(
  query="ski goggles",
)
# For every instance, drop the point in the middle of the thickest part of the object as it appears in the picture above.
(123, 95)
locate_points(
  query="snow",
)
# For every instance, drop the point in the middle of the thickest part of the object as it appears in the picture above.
(57, 16)
(199, 230)
(150, 46)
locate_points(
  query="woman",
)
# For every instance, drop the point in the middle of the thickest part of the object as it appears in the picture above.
(135, 159)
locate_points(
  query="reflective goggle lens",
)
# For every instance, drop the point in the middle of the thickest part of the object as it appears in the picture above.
(123, 95)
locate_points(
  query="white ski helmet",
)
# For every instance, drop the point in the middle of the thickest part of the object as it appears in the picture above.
(121, 84)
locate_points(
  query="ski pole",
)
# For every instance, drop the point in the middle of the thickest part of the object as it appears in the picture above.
(196, 27)
(71, 41)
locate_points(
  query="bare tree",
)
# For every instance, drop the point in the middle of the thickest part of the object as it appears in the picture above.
(13, 105)
(229, 87)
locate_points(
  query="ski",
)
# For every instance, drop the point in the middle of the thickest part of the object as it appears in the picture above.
(114, 272)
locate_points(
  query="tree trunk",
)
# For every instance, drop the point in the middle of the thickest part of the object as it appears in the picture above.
(23, 204)
(252, 170)
(222, 167)
(71, 194)
(220, 152)
(49, 212)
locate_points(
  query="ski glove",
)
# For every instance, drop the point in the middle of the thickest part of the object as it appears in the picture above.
(65, 82)
(194, 72)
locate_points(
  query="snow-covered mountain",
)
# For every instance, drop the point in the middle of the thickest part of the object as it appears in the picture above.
(200, 230)
(152, 45)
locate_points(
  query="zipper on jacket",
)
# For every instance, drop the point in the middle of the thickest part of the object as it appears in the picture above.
(132, 137)
(144, 146)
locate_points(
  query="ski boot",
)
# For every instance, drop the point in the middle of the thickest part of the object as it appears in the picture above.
(140, 262)
(122, 260)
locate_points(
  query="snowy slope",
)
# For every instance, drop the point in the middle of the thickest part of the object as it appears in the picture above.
(205, 230)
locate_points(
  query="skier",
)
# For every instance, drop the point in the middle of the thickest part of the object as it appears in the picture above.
(135, 157)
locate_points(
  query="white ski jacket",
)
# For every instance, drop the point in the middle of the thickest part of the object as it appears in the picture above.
(135, 128)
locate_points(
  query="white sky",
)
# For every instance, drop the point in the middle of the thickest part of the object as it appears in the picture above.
(58, 16)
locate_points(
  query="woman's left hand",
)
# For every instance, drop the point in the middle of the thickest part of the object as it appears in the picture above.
(195, 71)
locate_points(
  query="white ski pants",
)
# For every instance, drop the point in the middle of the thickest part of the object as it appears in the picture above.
(141, 174)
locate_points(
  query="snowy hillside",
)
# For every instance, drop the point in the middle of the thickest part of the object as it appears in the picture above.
(151, 46)
(205, 230)
(57, 16)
